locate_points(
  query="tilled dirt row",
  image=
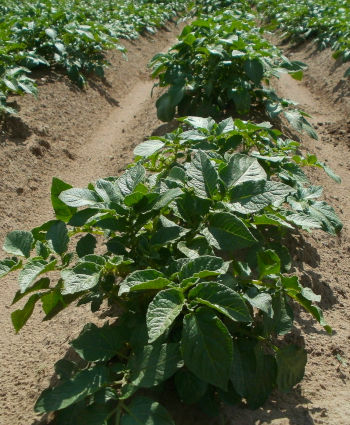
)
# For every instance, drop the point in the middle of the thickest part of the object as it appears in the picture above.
(81, 136)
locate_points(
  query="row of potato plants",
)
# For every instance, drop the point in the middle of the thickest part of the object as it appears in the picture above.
(325, 21)
(70, 34)
(188, 248)
(223, 64)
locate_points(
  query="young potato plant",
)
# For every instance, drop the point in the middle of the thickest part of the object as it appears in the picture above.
(188, 247)
(222, 63)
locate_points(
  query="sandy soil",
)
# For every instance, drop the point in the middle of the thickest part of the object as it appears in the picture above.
(81, 136)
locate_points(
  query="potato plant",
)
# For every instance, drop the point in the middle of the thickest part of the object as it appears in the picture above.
(187, 245)
(326, 21)
(222, 63)
(73, 35)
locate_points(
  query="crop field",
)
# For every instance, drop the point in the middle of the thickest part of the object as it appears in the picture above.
(175, 216)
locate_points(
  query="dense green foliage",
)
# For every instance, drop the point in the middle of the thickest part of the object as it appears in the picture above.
(70, 34)
(327, 21)
(223, 63)
(188, 245)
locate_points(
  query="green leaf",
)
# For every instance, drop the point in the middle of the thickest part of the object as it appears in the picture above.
(167, 231)
(268, 263)
(154, 364)
(192, 207)
(128, 181)
(19, 242)
(99, 344)
(260, 300)
(221, 298)
(86, 245)
(51, 33)
(144, 411)
(207, 347)
(228, 232)
(202, 174)
(189, 387)
(253, 372)
(83, 384)
(298, 122)
(325, 215)
(271, 220)
(62, 211)
(148, 148)
(143, 280)
(167, 197)
(254, 69)
(282, 319)
(242, 168)
(20, 317)
(76, 197)
(31, 270)
(57, 237)
(109, 191)
(241, 99)
(204, 266)
(84, 276)
(162, 311)
(8, 265)
(166, 104)
(291, 361)
(253, 196)
(51, 301)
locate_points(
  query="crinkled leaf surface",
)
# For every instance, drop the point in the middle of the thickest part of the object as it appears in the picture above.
(162, 311)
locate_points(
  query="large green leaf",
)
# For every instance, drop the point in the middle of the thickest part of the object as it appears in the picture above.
(82, 277)
(242, 168)
(189, 387)
(20, 317)
(254, 69)
(291, 361)
(204, 266)
(76, 197)
(83, 384)
(143, 279)
(253, 372)
(144, 411)
(8, 265)
(57, 236)
(167, 103)
(228, 232)
(109, 191)
(128, 181)
(326, 216)
(154, 364)
(221, 298)
(62, 211)
(32, 269)
(162, 311)
(252, 196)
(148, 148)
(167, 231)
(99, 344)
(207, 347)
(202, 174)
(19, 242)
